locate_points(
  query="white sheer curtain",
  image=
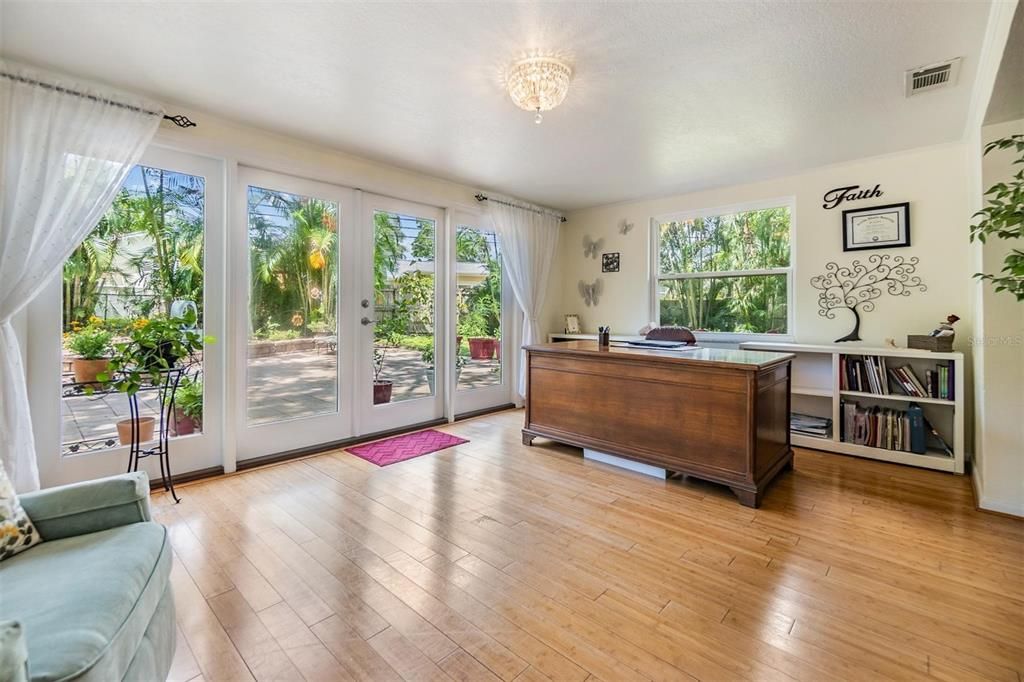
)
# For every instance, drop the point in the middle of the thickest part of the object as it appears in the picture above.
(63, 158)
(529, 239)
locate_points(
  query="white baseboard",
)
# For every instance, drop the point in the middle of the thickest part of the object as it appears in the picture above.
(1011, 507)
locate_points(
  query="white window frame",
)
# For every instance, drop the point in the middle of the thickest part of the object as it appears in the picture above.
(197, 452)
(726, 337)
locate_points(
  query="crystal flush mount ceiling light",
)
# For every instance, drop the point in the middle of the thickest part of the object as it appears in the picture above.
(538, 84)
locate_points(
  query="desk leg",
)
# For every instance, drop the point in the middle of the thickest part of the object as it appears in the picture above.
(748, 498)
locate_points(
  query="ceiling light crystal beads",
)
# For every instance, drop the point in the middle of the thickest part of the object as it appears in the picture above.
(538, 84)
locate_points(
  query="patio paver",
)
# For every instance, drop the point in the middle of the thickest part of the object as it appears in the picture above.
(281, 387)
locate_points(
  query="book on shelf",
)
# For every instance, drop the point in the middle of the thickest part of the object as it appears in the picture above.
(870, 374)
(888, 428)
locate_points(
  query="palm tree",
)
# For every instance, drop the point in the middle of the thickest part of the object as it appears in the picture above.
(292, 259)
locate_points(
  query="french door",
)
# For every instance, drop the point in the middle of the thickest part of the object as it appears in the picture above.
(482, 305)
(294, 336)
(401, 364)
(158, 249)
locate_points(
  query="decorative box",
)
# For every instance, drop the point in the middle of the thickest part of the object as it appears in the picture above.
(937, 344)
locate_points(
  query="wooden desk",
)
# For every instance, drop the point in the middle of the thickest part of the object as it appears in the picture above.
(716, 414)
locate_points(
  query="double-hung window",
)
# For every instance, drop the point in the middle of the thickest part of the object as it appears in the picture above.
(725, 271)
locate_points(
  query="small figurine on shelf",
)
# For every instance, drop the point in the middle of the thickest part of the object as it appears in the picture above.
(946, 328)
(940, 339)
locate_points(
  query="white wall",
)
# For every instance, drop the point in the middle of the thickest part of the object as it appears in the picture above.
(999, 361)
(932, 179)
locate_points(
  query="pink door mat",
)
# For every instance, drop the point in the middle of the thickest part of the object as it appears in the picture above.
(401, 448)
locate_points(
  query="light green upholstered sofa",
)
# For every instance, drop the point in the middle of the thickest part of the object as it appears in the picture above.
(94, 599)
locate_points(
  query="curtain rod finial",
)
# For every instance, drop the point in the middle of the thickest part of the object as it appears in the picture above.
(181, 121)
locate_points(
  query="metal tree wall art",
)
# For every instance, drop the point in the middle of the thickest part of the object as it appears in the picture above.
(855, 288)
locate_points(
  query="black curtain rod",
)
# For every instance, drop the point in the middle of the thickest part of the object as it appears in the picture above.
(531, 209)
(180, 120)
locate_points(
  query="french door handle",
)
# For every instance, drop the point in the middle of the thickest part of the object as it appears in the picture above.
(365, 321)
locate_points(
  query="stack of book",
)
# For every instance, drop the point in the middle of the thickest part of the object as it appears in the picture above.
(809, 425)
(866, 374)
(869, 374)
(892, 429)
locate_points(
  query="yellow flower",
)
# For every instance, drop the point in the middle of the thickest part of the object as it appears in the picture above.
(140, 323)
(297, 320)
(316, 260)
(93, 319)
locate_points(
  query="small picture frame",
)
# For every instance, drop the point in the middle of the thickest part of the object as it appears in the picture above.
(572, 324)
(610, 262)
(877, 227)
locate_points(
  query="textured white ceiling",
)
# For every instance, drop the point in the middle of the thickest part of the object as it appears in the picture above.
(667, 97)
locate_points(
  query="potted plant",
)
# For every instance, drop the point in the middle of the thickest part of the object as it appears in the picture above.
(152, 346)
(387, 336)
(472, 325)
(1002, 218)
(188, 407)
(428, 359)
(460, 362)
(91, 347)
(147, 425)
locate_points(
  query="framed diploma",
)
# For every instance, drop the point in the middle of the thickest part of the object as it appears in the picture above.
(878, 227)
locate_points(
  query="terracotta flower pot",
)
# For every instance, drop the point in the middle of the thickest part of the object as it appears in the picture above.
(86, 370)
(481, 348)
(381, 392)
(124, 430)
(183, 424)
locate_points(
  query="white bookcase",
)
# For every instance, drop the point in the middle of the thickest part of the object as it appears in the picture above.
(816, 390)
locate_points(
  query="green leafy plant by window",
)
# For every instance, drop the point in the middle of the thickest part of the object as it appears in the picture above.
(1003, 218)
(189, 398)
(91, 343)
(153, 346)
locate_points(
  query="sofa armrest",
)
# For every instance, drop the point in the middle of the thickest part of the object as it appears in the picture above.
(90, 506)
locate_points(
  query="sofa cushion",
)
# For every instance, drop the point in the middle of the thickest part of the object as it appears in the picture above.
(85, 601)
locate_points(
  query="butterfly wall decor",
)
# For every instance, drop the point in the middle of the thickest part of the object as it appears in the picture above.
(625, 228)
(591, 292)
(591, 247)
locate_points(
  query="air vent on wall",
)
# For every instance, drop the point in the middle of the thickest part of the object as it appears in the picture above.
(932, 76)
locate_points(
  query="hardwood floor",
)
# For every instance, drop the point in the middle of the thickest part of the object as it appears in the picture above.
(493, 560)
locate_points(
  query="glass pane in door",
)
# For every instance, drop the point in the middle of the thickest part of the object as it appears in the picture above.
(478, 308)
(292, 353)
(403, 279)
(143, 262)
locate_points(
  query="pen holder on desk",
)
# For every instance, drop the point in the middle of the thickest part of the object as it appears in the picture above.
(604, 338)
